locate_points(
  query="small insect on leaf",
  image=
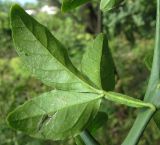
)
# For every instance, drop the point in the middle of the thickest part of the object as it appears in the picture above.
(55, 117)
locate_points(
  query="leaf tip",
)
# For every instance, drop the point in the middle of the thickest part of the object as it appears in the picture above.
(15, 7)
(15, 11)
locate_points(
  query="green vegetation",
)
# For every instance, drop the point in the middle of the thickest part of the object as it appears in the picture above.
(132, 52)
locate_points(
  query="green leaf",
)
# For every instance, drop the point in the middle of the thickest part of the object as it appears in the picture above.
(106, 5)
(71, 4)
(55, 115)
(98, 121)
(98, 65)
(48, 60)
(103, 76)
(44, 55)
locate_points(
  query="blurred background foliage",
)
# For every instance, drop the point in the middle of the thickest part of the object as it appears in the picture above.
(130, 28)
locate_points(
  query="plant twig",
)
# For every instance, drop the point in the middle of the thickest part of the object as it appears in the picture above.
(146, 114)
(88, 139)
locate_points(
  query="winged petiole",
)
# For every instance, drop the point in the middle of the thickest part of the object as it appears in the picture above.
(127, 100)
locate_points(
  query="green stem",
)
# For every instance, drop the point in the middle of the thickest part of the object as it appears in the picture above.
(145, 115)
(88, 139)
(155, 72)
(137, 129)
